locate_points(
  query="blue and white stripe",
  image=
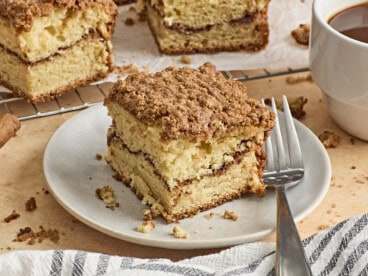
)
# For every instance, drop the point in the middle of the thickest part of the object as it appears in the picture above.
(341, 250)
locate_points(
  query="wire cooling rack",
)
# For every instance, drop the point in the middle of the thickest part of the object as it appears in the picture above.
(87, 96)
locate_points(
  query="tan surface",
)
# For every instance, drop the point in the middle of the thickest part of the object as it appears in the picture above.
(22, 177)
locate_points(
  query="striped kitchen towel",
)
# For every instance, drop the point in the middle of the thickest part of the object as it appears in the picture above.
(341, 250)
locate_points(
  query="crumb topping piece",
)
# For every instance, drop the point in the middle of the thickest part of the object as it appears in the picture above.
(185, 102)
(301, 34)
(146, 227)
(31, 204)
(230, 215)
(179, 233)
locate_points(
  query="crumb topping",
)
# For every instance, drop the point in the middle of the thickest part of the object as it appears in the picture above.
(20, 13)
(185, 102)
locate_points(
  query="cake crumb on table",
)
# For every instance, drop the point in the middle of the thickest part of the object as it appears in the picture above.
(299, 79)
(146, 227)
(31, 204)
(323, 227)
(230, 215)
(301, 34)
(179, 233)
(359, 180)
(26, 234)
(296, 105)
(329, 139)
(14, 215)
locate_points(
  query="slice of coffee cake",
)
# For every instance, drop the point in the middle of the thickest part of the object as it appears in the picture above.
(184, 26)
(50, 47)
(187, 140)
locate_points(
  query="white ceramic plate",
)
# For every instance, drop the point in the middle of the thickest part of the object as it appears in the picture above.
(73, 174)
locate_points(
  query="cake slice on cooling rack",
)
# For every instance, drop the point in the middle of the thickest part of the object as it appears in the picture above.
(183, 26)
(50, 47)
(187, 140)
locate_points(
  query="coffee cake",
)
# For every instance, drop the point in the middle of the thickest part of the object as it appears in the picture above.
(207, 26)
(50, 47)
(186, 140)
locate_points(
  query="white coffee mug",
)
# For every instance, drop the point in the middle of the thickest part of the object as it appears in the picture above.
(339, 66)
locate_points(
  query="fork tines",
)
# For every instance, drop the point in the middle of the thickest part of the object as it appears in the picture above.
(280, 159)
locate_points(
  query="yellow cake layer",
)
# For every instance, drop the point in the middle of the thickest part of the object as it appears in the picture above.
(51, 34)
(231, 36)
(89, 59)
(180, 159)
(200, 14)
(192, 196)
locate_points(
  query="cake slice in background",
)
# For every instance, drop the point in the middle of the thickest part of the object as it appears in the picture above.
(50, 47)
(183, 26)
(187, 140)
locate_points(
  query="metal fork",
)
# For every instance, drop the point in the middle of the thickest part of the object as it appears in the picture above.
(285, 168)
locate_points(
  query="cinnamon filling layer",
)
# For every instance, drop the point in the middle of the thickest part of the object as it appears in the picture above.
(237, 158)
(247, 18)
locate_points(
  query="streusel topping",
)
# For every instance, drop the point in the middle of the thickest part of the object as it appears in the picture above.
(186, 102)
(21, 13)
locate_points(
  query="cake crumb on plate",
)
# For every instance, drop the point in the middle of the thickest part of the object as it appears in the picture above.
(146, 227)
(179, 233)
(230, 215)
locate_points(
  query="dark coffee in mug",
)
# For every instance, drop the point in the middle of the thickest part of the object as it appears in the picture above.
(352, 22)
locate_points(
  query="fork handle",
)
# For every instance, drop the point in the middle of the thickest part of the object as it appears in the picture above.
(290, 255)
